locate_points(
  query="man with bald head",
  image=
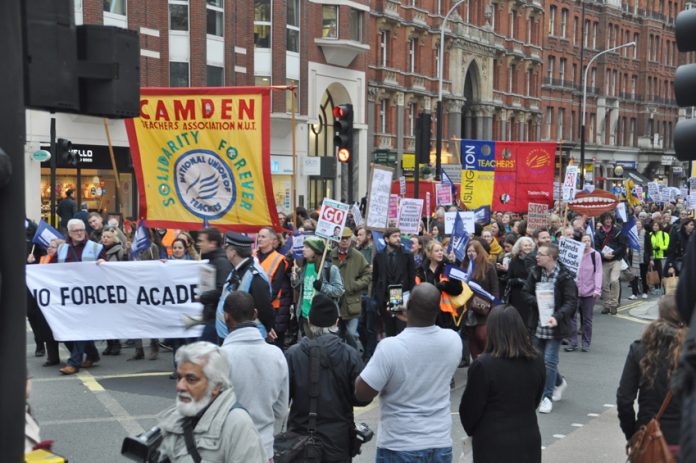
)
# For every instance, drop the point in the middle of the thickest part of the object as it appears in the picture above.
(411, 372)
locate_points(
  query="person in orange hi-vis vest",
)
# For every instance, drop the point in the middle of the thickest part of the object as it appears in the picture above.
(276, 267)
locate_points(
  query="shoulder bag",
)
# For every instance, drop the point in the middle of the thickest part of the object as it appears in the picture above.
(293, 447)
(648, 444)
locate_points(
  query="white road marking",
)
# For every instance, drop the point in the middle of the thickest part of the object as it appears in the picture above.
(593, 415)
(577, 425)
(559, 436)
(609, 405)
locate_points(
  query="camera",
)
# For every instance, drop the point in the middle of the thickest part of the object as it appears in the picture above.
(143, 447)
(363, 434)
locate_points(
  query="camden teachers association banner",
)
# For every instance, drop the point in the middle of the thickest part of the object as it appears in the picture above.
(507, 175)
(202, 157)
(117, 300)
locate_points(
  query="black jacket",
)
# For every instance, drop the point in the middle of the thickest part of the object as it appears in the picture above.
(517, 276)
(383, 275)
(340, 366)
(615, 239)
(280, 284)
(686, 296)
(451, 286)
(67, 209)
(223, 267)
(498, 409)
(649, 399)
(678, 242)
(565, 300)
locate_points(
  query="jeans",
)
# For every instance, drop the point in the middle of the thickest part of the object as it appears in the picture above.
(79, 349)
(585, 307)
(550, 348)
(349, 331)
(369, 319)
(443, 455)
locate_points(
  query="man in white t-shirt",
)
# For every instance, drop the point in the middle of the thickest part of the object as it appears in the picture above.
(411, 372)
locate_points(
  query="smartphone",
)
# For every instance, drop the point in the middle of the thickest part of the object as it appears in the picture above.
(396, 297)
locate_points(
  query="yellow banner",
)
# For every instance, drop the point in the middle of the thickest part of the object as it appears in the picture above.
(202, 158)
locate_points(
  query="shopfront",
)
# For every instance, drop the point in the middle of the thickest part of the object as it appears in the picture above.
(281, 176)
(97, 181)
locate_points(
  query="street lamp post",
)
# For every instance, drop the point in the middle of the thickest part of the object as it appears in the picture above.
(584, 106)
(438, 136)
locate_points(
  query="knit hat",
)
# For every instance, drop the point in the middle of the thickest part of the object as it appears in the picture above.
(315, 243)
(323, 312)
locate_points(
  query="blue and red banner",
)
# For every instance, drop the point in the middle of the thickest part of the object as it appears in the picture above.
(506, 175)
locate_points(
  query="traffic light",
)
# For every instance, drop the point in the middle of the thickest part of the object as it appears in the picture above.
(343, 131)
(685, 86)
(65, 153)
(423, 135)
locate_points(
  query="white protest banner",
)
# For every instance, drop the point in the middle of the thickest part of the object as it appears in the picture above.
(377, 211)
(692, 184)
(570, 253)
(654, 191)
(443, 194)
(117, 300)
(468, 217)
(357, 216)
(537, 216)
(692, 200)
(571, 179)
(684, 192)
(410, 213)
(402, 185)
(393, 211)
(332, 219)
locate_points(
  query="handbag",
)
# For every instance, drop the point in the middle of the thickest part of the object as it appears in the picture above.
(670, 285)
(648, 444)
(652, 278)
(293, 447)
(481, 306)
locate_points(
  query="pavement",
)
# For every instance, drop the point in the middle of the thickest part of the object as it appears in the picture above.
(89, 414)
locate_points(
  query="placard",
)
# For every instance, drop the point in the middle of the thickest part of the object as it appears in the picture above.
(393, 210)
(571, 179)
(571, 253)
(427, 203)
(468, 217)
(379, 190)
(537, 216)
(410, 213)
(357, 216)
(332, 219)
(654, 191)
(443, 194)
(402, 186)
(639, 192)
(692, 200)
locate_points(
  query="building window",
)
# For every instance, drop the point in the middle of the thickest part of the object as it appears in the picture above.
(412, 47)
(215, 10)
(574, 75)
(513, 19)
(549, 122)
(262, 23)
(576, 29)
(288, 96)
(178, 15)
(293, 26)
(216, 76)
(586, 32)
(594, 36)
(511, 79)
(115, 7)
(411, 119)
(262, 81)
(564, 23)
(634, 83)
(550, 69)
(552, 20)
(572, 125)
(178, 74)
(383, 116)
(356, 24)
(560, 133)
(592, 129)
(530, 23)
(529, 82)
(329, 22)
(384, 48)
(593, 80)
(561, 70)
(494, 13)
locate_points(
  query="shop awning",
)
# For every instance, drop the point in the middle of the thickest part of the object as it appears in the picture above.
(636, 176)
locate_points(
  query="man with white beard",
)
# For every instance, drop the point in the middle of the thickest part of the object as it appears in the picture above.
(207, 424)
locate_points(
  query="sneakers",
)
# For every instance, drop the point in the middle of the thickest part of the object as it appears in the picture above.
(570, 348)
(632, 297)
(645, 295)
(545, 406)
(558, 391)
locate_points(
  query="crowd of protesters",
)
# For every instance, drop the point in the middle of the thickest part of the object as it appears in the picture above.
(341, 299)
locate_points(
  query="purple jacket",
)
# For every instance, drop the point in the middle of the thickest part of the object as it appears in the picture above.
(590, 276)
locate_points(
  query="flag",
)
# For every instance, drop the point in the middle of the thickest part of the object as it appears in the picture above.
(406, 243)
(631, 231)
(378, 238)
(448, 181)
(590, 229)
(459, 239)
(45, 233)
(483, 215)
(141, 239)
(287, 246)
(479, 291)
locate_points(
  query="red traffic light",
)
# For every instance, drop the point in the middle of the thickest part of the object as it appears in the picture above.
(343, 155)
(338, 112)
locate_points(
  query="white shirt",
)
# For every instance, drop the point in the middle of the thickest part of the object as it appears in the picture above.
(412, 372)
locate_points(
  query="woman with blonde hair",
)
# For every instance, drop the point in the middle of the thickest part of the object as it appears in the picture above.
(647, 374)
(480, 271)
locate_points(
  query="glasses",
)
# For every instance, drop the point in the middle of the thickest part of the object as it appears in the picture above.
(76, 230)
(542, 255)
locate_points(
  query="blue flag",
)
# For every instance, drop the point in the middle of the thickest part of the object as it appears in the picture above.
(629, 228)
(448, 181)
(45, 233)
(590, 229)
(459, 239)
(406, 243)
(478, 290)
(483, 215)
(287, 246)
(141, 239)
(378, 238)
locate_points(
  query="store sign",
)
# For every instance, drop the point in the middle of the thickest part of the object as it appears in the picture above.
(41, 155)
(96, 157)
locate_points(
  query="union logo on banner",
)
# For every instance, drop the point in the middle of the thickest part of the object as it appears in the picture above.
(202, 156)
